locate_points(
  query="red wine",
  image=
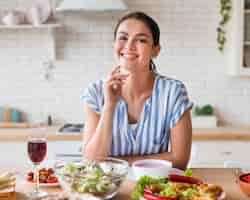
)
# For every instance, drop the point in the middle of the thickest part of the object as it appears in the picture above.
(37, 149)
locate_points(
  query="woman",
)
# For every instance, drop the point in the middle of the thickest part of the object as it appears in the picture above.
(137, 114)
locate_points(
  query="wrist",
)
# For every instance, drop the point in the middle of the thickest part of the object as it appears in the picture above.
(109, 107)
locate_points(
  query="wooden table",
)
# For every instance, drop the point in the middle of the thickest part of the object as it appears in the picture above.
(221, 176)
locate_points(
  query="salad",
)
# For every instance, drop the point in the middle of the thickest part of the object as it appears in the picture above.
(90, 178)
(176, 187)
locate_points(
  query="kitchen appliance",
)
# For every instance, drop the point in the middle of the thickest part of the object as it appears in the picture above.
(71, 128)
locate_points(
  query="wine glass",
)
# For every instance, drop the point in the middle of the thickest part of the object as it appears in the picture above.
(37, 148)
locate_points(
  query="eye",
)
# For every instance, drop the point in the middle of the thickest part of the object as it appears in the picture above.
(141, 40)
(124, 38)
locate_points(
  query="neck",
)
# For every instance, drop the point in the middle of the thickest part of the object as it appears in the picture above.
(140, 85)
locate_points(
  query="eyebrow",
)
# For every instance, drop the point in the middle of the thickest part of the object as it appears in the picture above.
(138, 34)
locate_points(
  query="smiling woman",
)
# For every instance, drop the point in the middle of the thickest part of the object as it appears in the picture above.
(137, 114)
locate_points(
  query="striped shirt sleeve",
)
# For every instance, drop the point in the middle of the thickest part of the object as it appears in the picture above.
(180, 103)
(92, 96)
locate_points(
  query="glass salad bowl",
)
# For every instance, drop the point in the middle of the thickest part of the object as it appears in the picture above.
(96, 179)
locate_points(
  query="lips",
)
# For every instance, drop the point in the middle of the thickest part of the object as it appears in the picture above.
(129, 55)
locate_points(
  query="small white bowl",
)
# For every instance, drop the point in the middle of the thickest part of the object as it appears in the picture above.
(151, 167)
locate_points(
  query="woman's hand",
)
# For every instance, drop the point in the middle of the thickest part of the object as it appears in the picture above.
(113, 87)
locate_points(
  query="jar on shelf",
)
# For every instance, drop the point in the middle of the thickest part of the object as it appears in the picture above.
(15, 115)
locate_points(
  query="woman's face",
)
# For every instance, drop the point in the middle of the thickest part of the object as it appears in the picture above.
(134, 47)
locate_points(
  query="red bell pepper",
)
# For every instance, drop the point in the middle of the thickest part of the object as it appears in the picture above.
(246, 178)
(185, 179)
(148, 195)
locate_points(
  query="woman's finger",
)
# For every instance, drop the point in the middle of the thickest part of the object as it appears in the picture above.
(115, 70)
(115, 84)
(118, 77)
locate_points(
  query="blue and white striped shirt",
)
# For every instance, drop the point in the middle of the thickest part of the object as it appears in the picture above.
(161, 111)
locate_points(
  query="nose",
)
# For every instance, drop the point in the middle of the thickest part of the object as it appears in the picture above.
(130, 44)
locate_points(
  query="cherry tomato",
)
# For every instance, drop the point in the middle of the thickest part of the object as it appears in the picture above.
(29, 178)
(45, 176)
(50, 171)
(30, 174)
(52, 180)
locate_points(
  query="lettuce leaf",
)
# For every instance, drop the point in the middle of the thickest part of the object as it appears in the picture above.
(188, 172)
(145, 181)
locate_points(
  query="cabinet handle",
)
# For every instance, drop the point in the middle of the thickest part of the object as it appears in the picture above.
(227, 153)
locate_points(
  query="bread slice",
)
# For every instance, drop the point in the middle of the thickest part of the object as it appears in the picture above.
(7, 181)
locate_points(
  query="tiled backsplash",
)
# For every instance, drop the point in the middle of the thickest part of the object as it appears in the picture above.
(84, 52)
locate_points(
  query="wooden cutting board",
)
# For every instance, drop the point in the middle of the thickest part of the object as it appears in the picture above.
(8, 194)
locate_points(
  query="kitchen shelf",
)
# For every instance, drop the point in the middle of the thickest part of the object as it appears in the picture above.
(247, 11)
(247, 43)
(243, 71)
(50, 27)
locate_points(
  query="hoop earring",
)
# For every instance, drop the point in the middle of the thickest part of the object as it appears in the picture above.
(152, 66)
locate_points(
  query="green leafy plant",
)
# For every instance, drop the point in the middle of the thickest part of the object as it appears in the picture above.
(206, 110)
(225, 13)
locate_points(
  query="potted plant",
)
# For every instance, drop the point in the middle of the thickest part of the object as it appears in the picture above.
(204, 117)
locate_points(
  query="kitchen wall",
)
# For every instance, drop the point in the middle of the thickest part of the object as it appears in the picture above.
(84, 53)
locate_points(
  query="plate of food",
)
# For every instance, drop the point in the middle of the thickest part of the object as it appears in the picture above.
(47, 178)
(176, 187)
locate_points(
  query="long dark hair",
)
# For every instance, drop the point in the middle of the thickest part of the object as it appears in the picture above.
(149, 22)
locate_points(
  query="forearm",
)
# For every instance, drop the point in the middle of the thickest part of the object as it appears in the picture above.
(177, 163)
(99, 144)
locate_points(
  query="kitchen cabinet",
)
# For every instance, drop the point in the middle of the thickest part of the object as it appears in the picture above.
(50, 30)
(66, 147)
(215, 153)
(13, 153)
(238, 33)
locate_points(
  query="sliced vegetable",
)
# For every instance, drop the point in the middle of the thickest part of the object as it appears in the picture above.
(185, 179)
(148, 195)
(246, 178)
(188, 172)
(71, 168)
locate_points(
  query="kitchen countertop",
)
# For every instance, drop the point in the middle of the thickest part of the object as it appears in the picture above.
(199, 134)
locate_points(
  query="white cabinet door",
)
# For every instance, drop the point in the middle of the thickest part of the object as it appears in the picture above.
(65, 147)
(13, 154)
(215, 153)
